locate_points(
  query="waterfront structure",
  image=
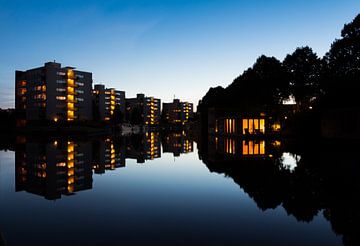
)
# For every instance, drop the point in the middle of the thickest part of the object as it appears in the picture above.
(143, 110)
(108, 102)
(52, 92)
(177, 112)
(249, 122)
(230, 122)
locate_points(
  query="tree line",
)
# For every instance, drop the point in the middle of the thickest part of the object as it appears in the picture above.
(311, 81)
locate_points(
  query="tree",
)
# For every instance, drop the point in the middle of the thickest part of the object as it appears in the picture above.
(303, 67)
(342, 75)
(263, 84)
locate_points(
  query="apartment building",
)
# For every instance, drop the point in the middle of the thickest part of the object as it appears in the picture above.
(143, 110)
(177, 112)
(107, 102)
(53, 92)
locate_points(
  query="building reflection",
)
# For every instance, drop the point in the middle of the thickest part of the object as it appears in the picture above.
(53, 169)
(108, 154)
(143, 147)
(60, 166)
(323, 178)
(226, 148)
(176, 143)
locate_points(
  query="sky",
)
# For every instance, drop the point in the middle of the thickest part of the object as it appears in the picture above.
(163, 48)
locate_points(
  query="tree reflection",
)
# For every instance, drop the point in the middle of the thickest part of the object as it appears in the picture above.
(325, 179)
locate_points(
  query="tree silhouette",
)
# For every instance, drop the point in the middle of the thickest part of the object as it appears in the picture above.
(341, 79)
(263, 84)
(303, 67)
(330, 82)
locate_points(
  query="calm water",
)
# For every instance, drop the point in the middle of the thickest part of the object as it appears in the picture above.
(139, 191)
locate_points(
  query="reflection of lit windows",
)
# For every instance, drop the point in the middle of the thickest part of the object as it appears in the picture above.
(276, 127)
(229, 146)
(262, 147)
(276, 143)
(252, 147)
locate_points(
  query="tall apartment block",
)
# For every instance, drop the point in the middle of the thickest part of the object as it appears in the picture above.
(107, 101)
(53, 93)
(143, 110)
(177, 112)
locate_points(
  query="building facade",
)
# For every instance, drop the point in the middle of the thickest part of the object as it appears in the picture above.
(230, 122)
(53, 93)
(108, 102)
(177, 112)
(143, 110)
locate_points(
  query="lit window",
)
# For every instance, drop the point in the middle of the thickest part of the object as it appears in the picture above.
(61, 73)
(61, 98)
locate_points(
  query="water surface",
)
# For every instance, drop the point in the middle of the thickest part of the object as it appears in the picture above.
(150, 193)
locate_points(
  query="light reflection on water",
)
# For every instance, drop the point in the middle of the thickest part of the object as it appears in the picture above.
(143, 196)
(290, 161)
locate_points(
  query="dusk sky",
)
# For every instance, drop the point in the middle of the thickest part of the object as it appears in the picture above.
(161, 47)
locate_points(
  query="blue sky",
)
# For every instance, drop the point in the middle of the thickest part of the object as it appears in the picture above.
(161, 47)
